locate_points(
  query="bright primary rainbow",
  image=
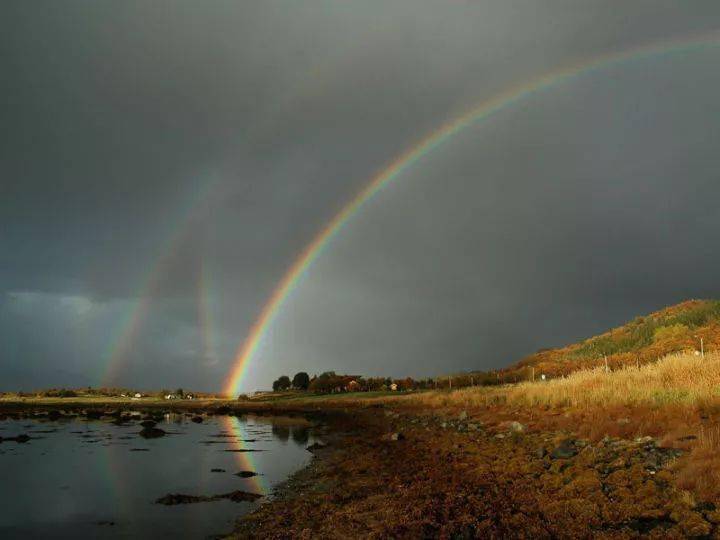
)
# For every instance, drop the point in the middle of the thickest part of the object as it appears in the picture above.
(505, 99)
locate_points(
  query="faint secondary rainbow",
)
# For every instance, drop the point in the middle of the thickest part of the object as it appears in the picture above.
(407, 159)
(131, 323)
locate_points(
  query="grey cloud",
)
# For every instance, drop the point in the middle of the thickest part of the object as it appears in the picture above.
(186, 153)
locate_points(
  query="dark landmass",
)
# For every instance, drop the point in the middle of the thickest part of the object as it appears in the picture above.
(235, 496)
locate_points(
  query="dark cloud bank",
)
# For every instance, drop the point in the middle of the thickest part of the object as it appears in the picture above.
(184, 153)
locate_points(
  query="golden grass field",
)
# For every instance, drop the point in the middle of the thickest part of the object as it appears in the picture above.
(679, 379)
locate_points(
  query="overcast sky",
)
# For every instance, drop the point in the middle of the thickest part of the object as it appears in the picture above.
(178, 156)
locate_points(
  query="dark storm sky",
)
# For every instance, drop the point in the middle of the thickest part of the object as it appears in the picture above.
(181, 155)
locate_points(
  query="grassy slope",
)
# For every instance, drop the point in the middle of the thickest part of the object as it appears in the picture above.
(642, 340)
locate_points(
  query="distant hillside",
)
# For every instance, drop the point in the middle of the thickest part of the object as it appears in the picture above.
(642, 340)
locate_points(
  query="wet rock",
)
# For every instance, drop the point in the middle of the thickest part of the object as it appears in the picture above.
(197, 419)
(246, 474)
(315, 447)
(93, 414)
(139, 449)
(217, 470)
(22, 438)
(565, 450)
(240, 496)
(151, 433)
(172, 499)
(148, 423)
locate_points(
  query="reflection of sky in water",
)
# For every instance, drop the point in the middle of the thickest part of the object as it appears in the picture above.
(68, 481)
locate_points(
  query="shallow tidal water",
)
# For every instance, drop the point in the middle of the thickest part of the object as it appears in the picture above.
(92, 479)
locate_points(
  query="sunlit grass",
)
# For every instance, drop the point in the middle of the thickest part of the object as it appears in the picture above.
(680, 379)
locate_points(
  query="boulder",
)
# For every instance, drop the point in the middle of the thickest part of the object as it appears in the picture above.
(240, 496)
(22, 438)
(172, 499)
(151, 433)
(565, 450)
(315, 447)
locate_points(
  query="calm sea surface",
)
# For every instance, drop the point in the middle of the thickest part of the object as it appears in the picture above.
(93, 479)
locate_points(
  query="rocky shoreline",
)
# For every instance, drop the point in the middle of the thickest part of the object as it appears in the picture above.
(408, 475)
(388, 470)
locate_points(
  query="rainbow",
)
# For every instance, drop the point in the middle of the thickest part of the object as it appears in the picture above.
(136, 312)
(248, 349)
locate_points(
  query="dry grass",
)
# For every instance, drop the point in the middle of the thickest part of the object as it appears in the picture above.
(700, 473)
(681, 379)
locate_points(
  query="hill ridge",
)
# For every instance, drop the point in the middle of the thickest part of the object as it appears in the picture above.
(687, 326)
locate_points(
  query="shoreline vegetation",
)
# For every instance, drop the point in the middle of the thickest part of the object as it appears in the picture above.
(624, 453)
(621, 440)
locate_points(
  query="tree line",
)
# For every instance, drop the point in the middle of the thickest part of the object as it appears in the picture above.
(331, 382)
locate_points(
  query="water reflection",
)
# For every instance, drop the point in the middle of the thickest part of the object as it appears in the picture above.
(281, 432)
(95, 478)
(301, 435)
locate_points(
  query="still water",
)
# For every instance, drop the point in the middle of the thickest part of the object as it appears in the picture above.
(93, 479)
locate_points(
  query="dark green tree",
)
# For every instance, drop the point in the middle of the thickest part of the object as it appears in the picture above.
(301, 381)
(284, 382)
